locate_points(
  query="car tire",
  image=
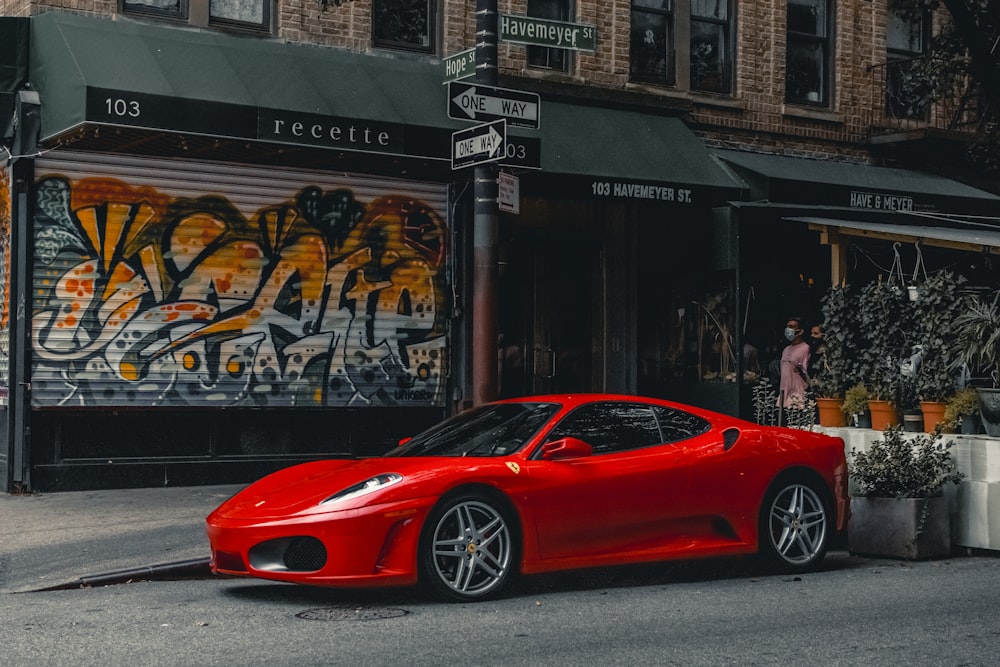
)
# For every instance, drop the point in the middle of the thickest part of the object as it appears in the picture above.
(795, 525)
(468, 548)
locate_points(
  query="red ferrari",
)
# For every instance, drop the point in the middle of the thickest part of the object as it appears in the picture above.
(540, 484)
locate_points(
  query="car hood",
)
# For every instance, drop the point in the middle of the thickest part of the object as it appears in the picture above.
(300, 489)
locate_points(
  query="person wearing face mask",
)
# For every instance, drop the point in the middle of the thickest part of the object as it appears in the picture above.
(794, 364)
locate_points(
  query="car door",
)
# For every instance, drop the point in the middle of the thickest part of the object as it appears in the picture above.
(628, 496)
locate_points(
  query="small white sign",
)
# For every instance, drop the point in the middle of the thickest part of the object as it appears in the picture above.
(509, 195)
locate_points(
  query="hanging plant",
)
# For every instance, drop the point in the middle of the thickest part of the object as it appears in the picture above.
(939, 307)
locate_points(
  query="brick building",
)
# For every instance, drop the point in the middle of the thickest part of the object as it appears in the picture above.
(234, 237)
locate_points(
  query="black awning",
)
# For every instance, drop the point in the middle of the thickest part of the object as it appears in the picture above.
(806, 181)
(928, 234)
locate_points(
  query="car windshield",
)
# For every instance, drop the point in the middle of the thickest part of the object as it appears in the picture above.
(489, 430)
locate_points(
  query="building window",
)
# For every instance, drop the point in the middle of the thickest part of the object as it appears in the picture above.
(254, 15)
(711, 59)
(168, 8)
(243, 13)
(403, 24)
(809, 50)
(541, 57)
(906, 43)
(652, 42)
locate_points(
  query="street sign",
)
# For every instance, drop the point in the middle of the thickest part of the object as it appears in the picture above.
(545, 32)
(460, 65)
(474, 101)
(479, 144)
(508, 192)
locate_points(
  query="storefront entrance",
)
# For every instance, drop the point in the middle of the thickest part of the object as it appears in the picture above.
(550, 304)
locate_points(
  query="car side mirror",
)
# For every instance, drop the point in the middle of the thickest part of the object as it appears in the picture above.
(566, 448)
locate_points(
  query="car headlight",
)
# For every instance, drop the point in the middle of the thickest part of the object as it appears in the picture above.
(367, 486)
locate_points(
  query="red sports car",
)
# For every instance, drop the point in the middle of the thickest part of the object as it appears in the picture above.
(539, 484)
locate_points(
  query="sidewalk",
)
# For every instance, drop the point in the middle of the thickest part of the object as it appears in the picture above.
(54, 540)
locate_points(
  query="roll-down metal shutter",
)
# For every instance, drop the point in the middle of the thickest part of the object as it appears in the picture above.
(173, 282)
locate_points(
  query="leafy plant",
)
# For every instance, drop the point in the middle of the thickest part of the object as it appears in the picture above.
(899, 467)
(884, 317)
(963, 403)
(840, 338)
(977, 337)
(855, 400)
(936, 312)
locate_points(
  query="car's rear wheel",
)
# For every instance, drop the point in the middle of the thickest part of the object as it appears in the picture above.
(468, 548)
(794, 525)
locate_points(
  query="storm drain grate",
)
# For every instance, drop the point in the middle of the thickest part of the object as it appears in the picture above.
(351, 613)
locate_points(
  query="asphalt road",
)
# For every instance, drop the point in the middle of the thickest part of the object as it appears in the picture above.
(855, 612)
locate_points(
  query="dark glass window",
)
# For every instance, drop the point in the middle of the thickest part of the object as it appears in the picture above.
(248, 13)
(403, 24)
(906, 95)
(610, 427)
(677, 425)
(808, 52)
(172, 8)
(652, 42)
(539, 56)
(711, 52)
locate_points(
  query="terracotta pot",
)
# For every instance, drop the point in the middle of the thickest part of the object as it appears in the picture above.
(933, 414)
(883, 414)
(830, 413)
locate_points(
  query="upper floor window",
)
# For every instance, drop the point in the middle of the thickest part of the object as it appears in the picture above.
(403, 24)
(239, 14)
(711, 60)
(809, 49)
(652, 56)
(906, 42)
(541, 57)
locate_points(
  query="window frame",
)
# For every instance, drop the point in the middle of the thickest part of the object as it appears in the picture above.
(729, 63)
(902, 58)
(826, 43)
(432, 32)
(670, 72)
(567, 11)
(235, 24)
(198, 14)
(182, 13)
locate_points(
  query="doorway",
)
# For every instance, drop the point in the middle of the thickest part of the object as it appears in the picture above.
(551, 300)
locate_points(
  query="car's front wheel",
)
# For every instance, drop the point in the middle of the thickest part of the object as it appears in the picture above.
(794, 525)
(468, 548)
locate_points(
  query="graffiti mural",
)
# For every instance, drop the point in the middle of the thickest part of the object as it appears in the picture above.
(143, 299)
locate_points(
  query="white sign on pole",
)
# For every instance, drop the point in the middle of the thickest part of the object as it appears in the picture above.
(509, 195)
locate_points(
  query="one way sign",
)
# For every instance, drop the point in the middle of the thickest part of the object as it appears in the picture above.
(474, 101)
(479, 144)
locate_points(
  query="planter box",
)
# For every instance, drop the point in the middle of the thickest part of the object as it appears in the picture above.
(908, 528)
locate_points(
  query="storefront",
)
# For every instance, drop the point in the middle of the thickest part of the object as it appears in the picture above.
(228, 255)
(807, 224)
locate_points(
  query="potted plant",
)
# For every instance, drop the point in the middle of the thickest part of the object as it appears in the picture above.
(935, 313)
(962, 410)
(977, 349)
(884, 315)
(855, 404)
(839, 338)
(898, 508)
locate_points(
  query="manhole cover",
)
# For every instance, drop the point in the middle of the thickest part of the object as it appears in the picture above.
(350, 613)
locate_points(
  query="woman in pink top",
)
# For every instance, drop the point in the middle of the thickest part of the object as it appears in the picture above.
(794, 361)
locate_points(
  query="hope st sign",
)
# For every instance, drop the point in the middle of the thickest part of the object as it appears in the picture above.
(545, 32)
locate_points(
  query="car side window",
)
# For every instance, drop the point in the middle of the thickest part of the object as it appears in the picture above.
(610, 427)
(677, 425)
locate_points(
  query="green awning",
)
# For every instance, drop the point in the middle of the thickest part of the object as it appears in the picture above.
(93, 72)
(794, 180)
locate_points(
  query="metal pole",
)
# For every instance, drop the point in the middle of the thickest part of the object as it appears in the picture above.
(485, 328)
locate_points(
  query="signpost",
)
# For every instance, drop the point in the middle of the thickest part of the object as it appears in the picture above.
(460, 65)
(478, 102)
(479, 144)
(545, 32)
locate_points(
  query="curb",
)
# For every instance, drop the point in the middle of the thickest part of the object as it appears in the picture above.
(194, 568)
